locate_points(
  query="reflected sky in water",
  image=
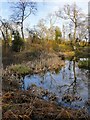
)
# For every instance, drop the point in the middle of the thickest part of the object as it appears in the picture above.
(69, 80)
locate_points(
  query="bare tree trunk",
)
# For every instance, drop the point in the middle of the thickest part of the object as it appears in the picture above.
(22, 30)
(22, 24)
(74, 36)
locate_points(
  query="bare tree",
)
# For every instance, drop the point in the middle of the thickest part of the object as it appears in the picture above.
(5, 29)
(74, 15)
(42, 28)
(64, 31)
(51, 19)
(33, 33)
(21, 11)
(83, 31)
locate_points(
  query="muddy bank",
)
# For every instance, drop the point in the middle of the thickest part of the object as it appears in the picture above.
(25, 105)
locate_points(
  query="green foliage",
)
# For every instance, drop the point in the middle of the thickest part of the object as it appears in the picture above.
(20, 69)
(58, 34)
(85, 64)
(82, 52)
(18, 42)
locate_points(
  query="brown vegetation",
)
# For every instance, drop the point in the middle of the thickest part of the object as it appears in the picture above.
(26, 105)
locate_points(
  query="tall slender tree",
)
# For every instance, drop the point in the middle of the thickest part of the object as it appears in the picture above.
(74, 15)
(21, 11)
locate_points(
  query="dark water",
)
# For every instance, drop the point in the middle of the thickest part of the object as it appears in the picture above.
(70, 81)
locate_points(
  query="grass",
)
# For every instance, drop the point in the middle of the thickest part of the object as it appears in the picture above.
(20, 69)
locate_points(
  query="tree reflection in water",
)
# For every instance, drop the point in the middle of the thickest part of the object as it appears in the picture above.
(69, 83)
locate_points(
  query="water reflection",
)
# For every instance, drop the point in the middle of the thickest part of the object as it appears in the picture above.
(70, 84)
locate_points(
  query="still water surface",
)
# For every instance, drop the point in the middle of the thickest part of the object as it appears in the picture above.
(69, 80)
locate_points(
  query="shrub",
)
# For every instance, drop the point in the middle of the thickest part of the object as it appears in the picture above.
(20, 69)
(65, 48)
(18, 42)
(56, 47)
(84, 64)
(58, 34)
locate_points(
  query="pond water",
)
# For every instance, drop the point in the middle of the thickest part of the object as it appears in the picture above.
(69, 83)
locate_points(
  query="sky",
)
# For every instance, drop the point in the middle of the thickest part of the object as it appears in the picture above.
(44, 7)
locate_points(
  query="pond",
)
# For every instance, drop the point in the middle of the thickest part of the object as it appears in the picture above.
(69, 84)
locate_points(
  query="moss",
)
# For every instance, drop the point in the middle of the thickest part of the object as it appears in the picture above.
(84, 64)
(20, 69)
